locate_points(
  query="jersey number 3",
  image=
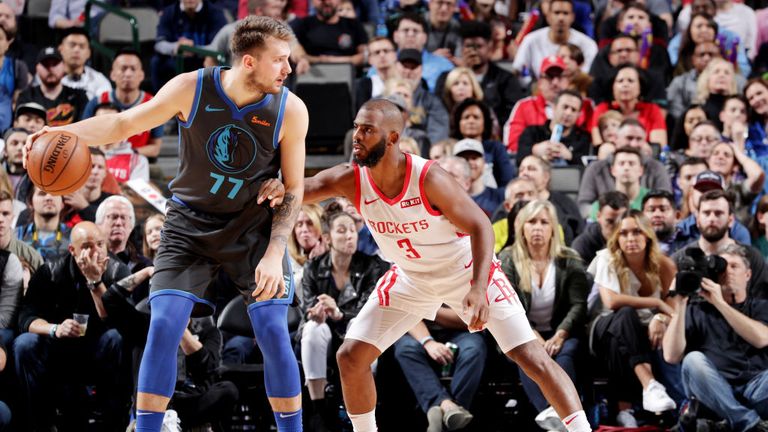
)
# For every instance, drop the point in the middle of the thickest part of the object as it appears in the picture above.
(237, 184)
(410, 252)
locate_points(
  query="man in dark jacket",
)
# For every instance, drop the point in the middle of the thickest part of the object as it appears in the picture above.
(55, 349)
(563, 147)
(612, 204)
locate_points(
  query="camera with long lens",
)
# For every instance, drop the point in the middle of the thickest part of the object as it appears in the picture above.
(695, 266)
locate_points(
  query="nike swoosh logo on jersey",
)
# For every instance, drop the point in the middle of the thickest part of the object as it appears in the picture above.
(209, 108)
(288, 415)
(371, 201)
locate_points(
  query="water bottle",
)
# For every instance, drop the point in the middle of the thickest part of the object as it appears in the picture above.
(448, 367)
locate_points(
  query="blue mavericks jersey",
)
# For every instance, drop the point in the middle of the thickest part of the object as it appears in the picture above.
(226, 152)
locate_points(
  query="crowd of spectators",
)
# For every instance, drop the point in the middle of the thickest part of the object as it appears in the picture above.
(661, 107)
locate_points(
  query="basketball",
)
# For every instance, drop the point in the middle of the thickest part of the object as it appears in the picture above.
(58, 163)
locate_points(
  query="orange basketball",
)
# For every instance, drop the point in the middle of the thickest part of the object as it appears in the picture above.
(58, 163)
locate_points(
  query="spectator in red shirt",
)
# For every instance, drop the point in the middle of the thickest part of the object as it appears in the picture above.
(536, 110)
(628, 85)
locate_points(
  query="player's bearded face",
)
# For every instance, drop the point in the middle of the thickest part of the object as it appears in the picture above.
(374, 155)
(257, 83)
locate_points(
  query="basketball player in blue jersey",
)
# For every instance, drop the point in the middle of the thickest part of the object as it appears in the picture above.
(237, 128)
(441, 244)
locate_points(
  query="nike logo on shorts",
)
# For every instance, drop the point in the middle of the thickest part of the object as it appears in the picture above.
(209, 108)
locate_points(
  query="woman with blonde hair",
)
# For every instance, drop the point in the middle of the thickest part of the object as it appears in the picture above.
(460, 84)
(551, 283)
(306, 240)
(151, 238)
(631, 277)
(715, 83)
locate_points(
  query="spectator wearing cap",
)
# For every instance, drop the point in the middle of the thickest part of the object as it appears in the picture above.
(546, 41)
(487, 198)
(75, 49)
(14, 77)
(713, 220)
(30, 116)
(471, 118)
(382, 56)
(558, 140)
(537, 109)
(500, 88)
(190, 23)
(328, 37)
(127, 74)
(597, 178)
(411, 33)
(427, 110)
(63, 104)
(659, 208)
(689, 228)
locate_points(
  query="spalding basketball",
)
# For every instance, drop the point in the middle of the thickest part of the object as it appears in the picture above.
(58, 163)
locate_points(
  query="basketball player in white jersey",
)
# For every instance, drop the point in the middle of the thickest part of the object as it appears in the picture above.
(442, 247)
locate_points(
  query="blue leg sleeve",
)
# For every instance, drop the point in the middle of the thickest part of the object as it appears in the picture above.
(281, 371)
(170, 314)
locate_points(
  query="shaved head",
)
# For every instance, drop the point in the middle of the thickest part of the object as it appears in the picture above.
(392, 118)
(85, 230)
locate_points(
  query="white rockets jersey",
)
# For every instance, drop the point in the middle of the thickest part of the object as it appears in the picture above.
(417, 237)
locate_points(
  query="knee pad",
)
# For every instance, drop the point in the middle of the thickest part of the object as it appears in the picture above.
(281, 371)
(170, 313)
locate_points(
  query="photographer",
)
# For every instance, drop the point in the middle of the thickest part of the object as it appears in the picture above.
(713, 221)
(722, 343)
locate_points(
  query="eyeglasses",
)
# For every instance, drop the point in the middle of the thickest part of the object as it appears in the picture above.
(624, 50)
(382, 51)
(700, 139)
(707, 54)
(411, 30)
(473, 46)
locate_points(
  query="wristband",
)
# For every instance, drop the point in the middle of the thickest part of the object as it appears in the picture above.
(92, 284)
(52, 331)
(426, 339)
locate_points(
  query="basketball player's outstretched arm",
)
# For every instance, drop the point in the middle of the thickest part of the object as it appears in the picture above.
(337, 181)
(269, 271)
(174, 98)
(446, 195)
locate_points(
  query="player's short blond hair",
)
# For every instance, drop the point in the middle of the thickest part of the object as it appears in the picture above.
(252, 32)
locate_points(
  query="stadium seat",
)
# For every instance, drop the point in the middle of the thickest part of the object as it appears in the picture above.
(566, 180)
(327, 91)
(234, 318)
